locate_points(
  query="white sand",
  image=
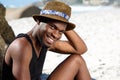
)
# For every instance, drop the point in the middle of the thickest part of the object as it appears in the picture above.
(101, 32)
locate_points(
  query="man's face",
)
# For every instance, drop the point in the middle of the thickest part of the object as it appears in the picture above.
(53, 32)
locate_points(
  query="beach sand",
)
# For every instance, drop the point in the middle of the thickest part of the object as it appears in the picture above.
(100, 29)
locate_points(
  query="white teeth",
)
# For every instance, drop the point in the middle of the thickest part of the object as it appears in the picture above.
(51, 40)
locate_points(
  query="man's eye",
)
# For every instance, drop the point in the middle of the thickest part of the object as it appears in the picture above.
(61, 32)
(52, 27)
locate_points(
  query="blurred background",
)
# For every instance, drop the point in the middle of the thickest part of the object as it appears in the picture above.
(19, 3)
(77, 6)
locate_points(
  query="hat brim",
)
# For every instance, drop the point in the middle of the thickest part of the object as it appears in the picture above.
(46, 18)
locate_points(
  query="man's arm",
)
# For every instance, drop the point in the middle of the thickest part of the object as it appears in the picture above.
(74, 44)
(20, 54)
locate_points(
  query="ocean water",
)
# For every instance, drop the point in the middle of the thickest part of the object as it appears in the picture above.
(16, 3)
(75, 8)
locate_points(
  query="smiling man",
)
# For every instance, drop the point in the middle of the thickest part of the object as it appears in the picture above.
(25, 56)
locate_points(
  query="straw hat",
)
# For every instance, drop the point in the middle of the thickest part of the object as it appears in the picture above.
(55, 10)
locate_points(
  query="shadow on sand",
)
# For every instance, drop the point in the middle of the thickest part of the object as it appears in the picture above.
(44, 77)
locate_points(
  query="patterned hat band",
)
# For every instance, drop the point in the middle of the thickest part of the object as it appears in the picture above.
(53, 12)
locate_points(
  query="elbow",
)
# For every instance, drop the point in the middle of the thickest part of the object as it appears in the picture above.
(82, 50)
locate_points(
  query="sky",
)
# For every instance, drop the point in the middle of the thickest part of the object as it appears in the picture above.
(20, 3)
(16, 3)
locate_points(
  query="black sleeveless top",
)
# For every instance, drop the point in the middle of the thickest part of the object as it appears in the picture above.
(35, 67)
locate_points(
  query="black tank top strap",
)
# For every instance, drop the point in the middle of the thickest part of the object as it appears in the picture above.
(26, 36)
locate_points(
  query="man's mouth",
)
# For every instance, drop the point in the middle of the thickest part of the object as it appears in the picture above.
(49, 40)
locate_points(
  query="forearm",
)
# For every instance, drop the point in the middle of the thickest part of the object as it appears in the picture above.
(76, 41)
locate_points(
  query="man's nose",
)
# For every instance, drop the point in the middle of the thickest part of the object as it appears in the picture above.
(56, 34)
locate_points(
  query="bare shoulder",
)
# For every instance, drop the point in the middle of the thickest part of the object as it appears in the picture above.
(20, 49)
